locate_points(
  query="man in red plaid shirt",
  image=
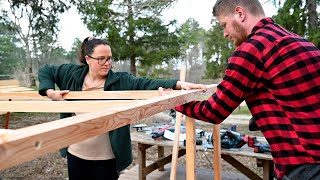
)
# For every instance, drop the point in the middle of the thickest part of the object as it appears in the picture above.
(277, 73)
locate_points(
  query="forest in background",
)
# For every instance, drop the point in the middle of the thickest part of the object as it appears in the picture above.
(142, 43)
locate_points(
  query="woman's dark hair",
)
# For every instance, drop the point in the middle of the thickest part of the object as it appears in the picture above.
(88, 46)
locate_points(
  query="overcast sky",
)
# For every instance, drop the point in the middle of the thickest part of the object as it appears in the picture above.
(72, 27)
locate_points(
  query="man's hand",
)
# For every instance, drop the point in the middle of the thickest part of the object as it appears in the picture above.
(56, 95)
(188, 86)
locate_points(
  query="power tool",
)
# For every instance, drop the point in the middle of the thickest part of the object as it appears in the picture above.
(232, 139)
(259, 147)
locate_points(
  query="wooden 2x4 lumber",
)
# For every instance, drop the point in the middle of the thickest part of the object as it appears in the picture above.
(21, 145)
(99, 95)
(11, 82)
(175, 148)
(8, 87)
(217, 151)
(62, 106)
(30, 95)
(191, 149)
(18, 89)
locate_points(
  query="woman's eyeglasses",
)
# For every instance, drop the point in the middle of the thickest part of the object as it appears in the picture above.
(102, 60)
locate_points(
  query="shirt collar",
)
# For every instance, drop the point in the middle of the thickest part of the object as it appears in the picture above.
(80, 74)
(259, 25)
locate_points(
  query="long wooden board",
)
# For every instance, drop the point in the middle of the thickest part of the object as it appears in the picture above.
(15, 89)
(25, 144)
(11, 82)
(8, 87)
(61, 106)
(99, 95)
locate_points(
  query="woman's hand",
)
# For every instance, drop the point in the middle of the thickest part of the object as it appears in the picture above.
(163, 91)
(56, 95)
(188, 86)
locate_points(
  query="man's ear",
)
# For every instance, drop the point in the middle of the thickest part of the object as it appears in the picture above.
(240, 13)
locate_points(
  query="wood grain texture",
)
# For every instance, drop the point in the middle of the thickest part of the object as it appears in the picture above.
(29, 95)
(217, 152)
(61, 106)
(11, 82)
(175, 150)
(7, 87)
(15, 89)
(25, 144)
(191, 149)
(98, 95)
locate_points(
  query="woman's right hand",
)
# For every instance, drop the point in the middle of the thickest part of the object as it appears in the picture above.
(56, 95)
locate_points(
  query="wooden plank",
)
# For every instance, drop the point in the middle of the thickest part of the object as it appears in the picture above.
(175, 150)
(217, 152)
(8, 87)
(11, 82)
(2, 113)
(5, 131)
(17, 89)
(100, 95)
(30, 95)
(247, 152)
(174, 161)
(191, 149)
(62, 106)
(144, 94)
(31, 142)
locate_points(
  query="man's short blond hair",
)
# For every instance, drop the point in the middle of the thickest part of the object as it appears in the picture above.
(227, 7)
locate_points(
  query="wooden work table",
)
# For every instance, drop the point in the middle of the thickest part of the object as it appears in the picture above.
(145, 141)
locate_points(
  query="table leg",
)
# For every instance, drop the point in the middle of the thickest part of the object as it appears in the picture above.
(6, 126)
(160, 155)
(142, 161)
(267, 169)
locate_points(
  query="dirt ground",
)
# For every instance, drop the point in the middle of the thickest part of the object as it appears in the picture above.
(52, 166)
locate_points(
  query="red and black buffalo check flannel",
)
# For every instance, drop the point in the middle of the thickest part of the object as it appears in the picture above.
(277, 73)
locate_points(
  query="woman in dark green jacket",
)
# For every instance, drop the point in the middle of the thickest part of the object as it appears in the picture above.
(103, 156)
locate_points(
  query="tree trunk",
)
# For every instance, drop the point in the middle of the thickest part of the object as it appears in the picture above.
(31, 76)
(313, 22)
(131, 39)
(133, 69)
(29, 70)
(312, 14)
